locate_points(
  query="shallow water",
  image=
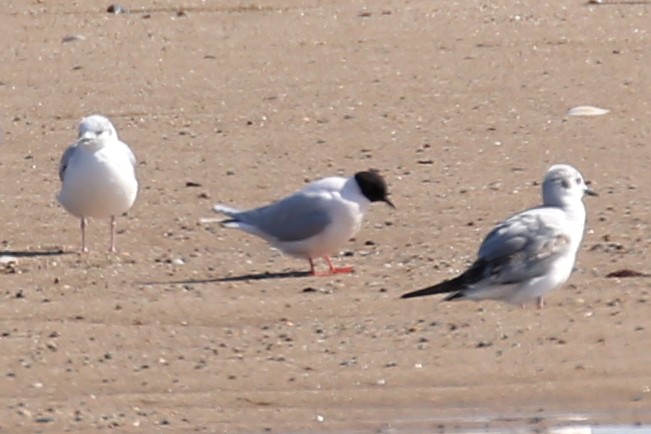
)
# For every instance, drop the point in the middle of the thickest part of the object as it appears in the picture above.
(573, 429)
(605, 429)
(550, 424)
(568, 429)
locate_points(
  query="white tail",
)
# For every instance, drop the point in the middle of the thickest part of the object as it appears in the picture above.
(223, 209)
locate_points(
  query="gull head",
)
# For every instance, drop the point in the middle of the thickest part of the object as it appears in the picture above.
(96, 129)
(373, 187)
(564, 185)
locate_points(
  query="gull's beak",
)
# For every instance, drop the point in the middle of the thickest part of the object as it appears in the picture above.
(388, 202)
(88, 135)
(590, 192)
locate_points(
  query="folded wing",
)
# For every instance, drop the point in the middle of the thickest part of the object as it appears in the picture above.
(525, 246)
(520, 248)
(295, 218)
(65, 160)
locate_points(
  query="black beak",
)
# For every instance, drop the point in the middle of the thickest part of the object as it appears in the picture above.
(388, 202)
(590, 192)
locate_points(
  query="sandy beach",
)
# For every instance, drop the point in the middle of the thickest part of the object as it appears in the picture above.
(461, 105)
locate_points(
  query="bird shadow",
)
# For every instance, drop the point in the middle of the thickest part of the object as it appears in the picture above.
(241, 278)
(34, 253)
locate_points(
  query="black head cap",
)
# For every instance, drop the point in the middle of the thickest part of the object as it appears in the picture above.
(373, 187)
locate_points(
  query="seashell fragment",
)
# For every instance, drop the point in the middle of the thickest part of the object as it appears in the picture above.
(587, 110)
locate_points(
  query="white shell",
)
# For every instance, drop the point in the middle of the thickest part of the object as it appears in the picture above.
(587, 110)
(6, 260)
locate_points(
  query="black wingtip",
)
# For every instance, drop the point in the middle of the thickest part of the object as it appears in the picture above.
(453, 285)
(420, 293)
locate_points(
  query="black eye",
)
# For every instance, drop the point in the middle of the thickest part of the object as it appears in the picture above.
(579, 181)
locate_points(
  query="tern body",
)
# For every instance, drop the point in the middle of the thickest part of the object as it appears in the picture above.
(315, 221)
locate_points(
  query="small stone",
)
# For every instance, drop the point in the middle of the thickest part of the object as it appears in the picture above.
(24, 412)
(116, 9)
(73, 38)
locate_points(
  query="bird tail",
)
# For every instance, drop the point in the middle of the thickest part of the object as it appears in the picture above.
(233, 221)
(452, 285)
(223, 209)
(226, 210)
(457, 285)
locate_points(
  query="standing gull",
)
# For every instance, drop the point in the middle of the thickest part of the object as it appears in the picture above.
(315, 221)
(529, 254)
(98, 175)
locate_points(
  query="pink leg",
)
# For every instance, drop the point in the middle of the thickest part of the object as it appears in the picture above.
(334, 270)
(541, 303)
(113, 224)
(84, 249)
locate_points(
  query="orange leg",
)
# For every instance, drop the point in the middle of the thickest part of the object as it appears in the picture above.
(332, 269)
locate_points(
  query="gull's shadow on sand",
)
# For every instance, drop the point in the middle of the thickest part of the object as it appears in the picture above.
(33, 253)
(240, 278)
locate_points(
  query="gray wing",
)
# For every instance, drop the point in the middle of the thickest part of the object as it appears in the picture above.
(294, 218)
(523, 247)
(65, 160)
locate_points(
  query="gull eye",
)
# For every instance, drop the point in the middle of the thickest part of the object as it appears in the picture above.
(579, 181)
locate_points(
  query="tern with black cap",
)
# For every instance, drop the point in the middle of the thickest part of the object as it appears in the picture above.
(315, 221)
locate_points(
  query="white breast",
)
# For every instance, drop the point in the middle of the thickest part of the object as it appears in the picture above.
(99, 184)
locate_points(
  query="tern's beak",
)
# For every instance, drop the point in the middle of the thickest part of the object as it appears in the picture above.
(388, 202)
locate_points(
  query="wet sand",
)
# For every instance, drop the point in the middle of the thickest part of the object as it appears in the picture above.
(460, 105)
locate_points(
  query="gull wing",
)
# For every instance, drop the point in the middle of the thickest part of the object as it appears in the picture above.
(523, 246)
(65, 159)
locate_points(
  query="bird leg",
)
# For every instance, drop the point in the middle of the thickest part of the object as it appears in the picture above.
(332, 269)
(113, 224)
(84, 249)
(541, 302)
